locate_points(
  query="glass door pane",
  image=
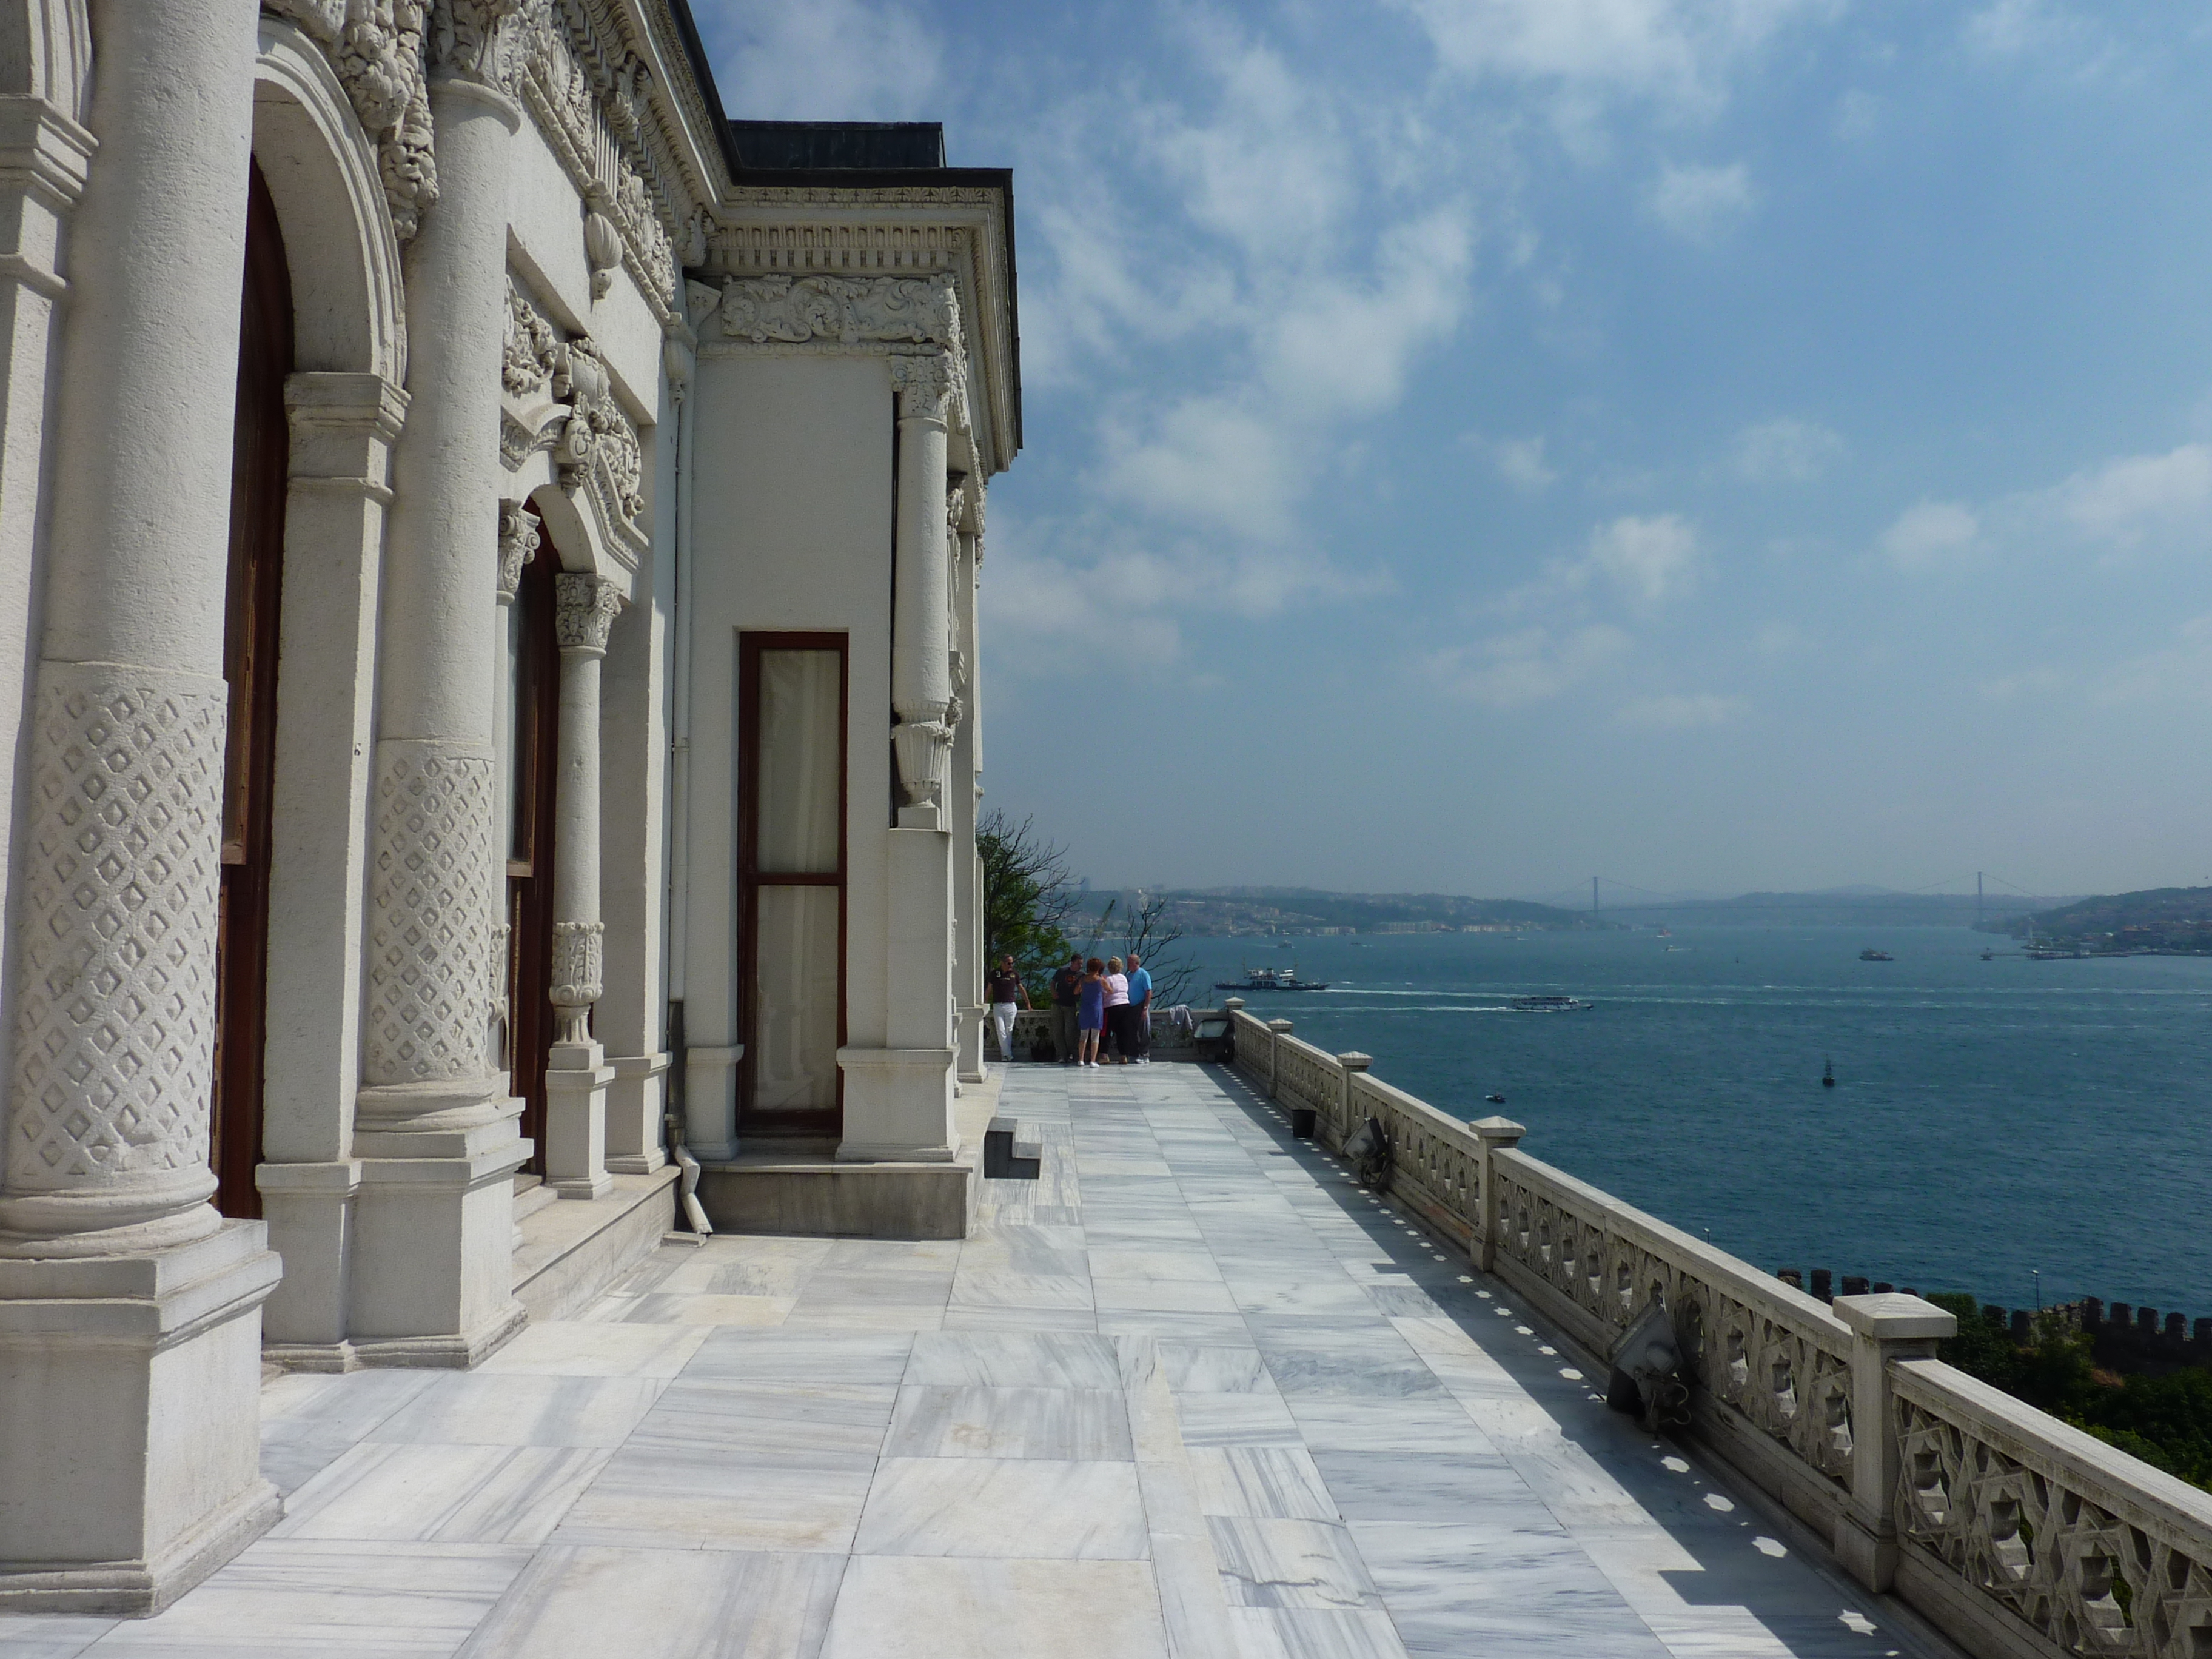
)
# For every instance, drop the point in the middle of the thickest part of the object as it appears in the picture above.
(801, 764)
(794, 1040)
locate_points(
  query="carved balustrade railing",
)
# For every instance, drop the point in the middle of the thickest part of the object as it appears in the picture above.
(2037, 1537)
(2014, 1533)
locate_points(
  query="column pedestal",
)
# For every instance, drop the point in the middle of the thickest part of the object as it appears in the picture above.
(969, 1044)
(116, 1378)
(898, 1098)
(576, 1079)
(710, 1102)
(635, 1102)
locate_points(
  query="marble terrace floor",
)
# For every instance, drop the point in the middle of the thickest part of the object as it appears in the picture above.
(1191, 1393)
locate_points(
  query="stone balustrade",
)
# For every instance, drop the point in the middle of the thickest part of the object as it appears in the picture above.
(2013, 1534)
(1031, 1024)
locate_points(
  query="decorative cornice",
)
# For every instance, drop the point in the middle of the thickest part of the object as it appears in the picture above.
(911, 310)
(585, 611)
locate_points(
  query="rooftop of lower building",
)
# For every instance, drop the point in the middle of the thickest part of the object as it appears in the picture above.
(1192, 1392)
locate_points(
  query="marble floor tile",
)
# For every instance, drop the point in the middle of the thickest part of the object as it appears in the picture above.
(1164, 1296)
(1154, 1265)
(962, 1316)
(694, 1498)
(1277, 1481)
(284, 1598)
(877, 1255)
(1213, 1368)
(990, 1287)
(1389, 1426)
(308, 1420)
(1066, 1424)
(983, 1609)
(1466, 1587)
(1227, 1329)
(800, 1356)
(832, 1286)
(1268, 1562)
(1236, 1420)
(701, 1308)
(966, 1506)
(559, 1347)
(909, 1317)
(441, 1494)
(469, 1408)
(49, 1636)
(835, 1421)
(1008, 1359)
(1315, 1633)
(663, 1604)
(1266, 1294)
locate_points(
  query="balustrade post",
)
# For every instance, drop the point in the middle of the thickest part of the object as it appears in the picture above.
(1277, 1031)
(1883, 1328)
(1495, 1134)
(1354, 1063)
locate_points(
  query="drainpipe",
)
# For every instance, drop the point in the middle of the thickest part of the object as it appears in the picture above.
(679, 756)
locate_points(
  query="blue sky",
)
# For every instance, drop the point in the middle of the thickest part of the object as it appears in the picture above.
(1474, 444)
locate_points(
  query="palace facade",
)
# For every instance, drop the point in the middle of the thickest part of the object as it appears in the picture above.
(488, 563)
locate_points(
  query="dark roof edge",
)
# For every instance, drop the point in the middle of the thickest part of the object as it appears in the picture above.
(695, 48)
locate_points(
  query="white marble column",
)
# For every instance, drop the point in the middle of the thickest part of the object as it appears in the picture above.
(963, 795)
(898, 1098)
(130, 1311)
(576, 1072)
(435, 1127)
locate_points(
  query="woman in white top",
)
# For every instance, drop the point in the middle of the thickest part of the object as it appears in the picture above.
(1117, 1010)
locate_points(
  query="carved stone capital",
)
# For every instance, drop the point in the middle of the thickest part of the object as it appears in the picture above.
(587, 608)
(464, 38)
(518, 542)
(926, 385)
(578, 976)
(924, 750)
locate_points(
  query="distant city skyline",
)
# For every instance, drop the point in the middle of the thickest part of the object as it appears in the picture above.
(1471, 442)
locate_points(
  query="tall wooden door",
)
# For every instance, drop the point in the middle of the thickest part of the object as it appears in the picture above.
(534, 717)
(260, 463)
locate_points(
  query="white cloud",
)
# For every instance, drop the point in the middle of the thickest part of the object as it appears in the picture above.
(2178, 673)
(827, 60)
(2122, 501)
(1519, 461)
(1531, 664)
(1930, 533)
(1670, 50)
(1653, 558)
(1785, 451)
(1681, 711)
(1697, 204)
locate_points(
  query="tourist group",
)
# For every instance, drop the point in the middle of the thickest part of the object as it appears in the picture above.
(1094, 1004)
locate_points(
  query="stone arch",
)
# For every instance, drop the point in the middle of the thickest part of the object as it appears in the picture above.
(577, 531)
(321, 169)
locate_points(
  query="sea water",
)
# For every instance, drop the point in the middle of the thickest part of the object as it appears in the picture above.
(1991, 1121)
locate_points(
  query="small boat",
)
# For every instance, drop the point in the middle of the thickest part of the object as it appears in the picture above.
(1550, 1005)
(1270, 979)
(1828, 1075)
(1495, 1100)
(1872, 955)
(1989, 955)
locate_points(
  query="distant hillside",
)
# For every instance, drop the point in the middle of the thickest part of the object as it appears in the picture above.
(1239, 911)
(2163, 919)
(1839, 907)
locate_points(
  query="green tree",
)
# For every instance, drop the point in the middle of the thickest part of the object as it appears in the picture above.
(1028, 894)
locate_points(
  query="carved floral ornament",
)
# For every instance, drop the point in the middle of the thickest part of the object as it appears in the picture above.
(589, 94)
(558, 396)
(585, 607)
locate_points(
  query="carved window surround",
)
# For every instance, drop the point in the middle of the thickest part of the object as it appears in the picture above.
(557, 396)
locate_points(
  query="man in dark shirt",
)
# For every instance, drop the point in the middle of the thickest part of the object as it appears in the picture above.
(999, 991)
(1065, 984)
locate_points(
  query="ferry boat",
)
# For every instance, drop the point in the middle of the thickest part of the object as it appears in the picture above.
(1550, 1005)
(1872, 955)
(1270, 979)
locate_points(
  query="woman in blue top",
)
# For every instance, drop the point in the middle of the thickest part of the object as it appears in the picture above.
(1090, 1011)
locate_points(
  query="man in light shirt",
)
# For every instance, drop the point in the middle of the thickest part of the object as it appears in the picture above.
(1140, 1008)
